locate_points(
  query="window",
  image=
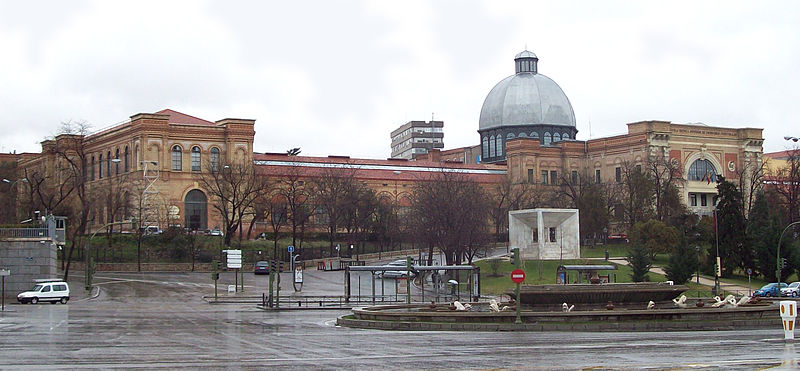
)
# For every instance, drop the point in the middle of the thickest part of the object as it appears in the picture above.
(638, 168)
(108, 163)
(195, 158)
(597, 176)
(703, 199)
(530, 176)
(556, 137)
(492, 147)
(553, 177)
(552, 234)
(485, 146)
(91, 169)
(574, 177)
(544, 177)
(127, 159)
(693, 199)
(499, 140)
(100, 167)
(176, 158)
(547, 138)
(510, 136)
(702, 170)
(116, 164)
(564, 136)
(535, 235)
(618, 174)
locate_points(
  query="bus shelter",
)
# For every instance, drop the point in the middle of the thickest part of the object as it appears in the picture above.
(436, 290)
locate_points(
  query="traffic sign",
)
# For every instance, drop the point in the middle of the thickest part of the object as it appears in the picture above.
(291, 248)
(234, 258)
(749, 271)
(518, 275)
(5, 272)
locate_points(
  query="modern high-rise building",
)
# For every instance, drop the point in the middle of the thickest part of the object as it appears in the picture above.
(416, 138)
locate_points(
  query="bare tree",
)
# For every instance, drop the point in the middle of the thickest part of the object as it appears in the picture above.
(664, 174)
(293, 188)
(234, 187)
(506, 196)
(751, 181)
(787, 181)
(636, 194)
(449, 210)
(333, 188)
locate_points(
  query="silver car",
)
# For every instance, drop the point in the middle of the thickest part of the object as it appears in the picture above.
(793, 290)
(401, 271)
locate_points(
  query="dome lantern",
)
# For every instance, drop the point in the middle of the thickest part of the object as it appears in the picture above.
(526, 62)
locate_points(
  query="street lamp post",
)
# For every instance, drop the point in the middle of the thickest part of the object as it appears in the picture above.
(605, 242)
(778, 255)
(697, 248)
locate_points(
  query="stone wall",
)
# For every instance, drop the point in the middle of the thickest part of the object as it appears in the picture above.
(28, 259)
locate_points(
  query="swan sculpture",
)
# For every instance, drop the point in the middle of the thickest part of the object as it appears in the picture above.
(679, 302)
(651, 305)
(567, 308)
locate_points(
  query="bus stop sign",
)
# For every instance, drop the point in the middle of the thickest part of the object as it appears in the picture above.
(518, 275)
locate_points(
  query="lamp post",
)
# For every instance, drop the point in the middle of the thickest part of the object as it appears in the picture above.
(697, 248)
(605, 242)
(141, 207)
(778, 255)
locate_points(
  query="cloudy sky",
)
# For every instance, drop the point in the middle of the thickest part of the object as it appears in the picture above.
(336, 77)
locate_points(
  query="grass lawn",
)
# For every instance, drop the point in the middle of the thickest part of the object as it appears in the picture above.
(599, 251)
(534, 275)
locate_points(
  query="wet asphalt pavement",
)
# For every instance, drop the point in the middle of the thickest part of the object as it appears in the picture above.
(161, 321)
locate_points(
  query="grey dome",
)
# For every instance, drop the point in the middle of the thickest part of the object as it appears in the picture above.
(526, 98)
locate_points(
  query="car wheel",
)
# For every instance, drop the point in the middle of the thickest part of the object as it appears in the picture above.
(794, 294)
(64, 300)
(34, 300)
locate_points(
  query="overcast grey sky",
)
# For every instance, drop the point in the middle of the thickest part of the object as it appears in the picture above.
(336, 77)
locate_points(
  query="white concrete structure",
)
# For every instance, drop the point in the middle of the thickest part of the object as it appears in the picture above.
(546, 234)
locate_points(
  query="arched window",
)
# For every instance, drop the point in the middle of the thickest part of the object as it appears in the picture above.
(510, 136)
(565, 136)
(127, 159)
(195, 158)
(108, 163)
(702, 170)
(176, 158)
(116, 164)
(196, 210)
(492, 147)
(556, 137)
(547, 138)
(214, 158)
(485, 147)
(535, 135)
(523, 135)
(91, 169)
(100, 167)
(499, 140)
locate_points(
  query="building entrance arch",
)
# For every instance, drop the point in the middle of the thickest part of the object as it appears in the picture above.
(196, 210)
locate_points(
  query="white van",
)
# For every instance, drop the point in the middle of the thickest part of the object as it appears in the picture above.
(46, 290)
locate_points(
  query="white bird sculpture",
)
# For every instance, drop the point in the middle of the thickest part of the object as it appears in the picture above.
(679, 302)
(459, 306)
(718, 302)
(651, 305)
(493, 306)
(744, 300)
(567, 308)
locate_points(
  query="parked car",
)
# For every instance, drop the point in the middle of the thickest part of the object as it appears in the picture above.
(54, 291)
(793, 290)
(617, 238)
(214, 232)
(153, 229)
(261, 267)
(770, 289)
(401, 271)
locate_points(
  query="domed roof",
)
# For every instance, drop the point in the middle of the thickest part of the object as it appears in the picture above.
(526, 98)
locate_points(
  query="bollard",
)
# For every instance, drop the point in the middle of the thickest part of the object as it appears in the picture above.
(788, 314)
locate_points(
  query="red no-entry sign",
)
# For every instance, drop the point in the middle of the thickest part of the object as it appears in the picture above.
(518, 275)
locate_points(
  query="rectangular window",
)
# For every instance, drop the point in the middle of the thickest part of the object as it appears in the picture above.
(618, 174)
(530, 176)
(535, 235)
(692, 199)
(597, 176)
(544, 177)
(574, 177)
(552, 234)
(553, 177)
(703, 199)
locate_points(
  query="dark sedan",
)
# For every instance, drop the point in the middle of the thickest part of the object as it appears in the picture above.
(261, 267)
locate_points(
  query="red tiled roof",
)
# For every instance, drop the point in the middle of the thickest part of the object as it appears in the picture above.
(367, 169)
(176, 117)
